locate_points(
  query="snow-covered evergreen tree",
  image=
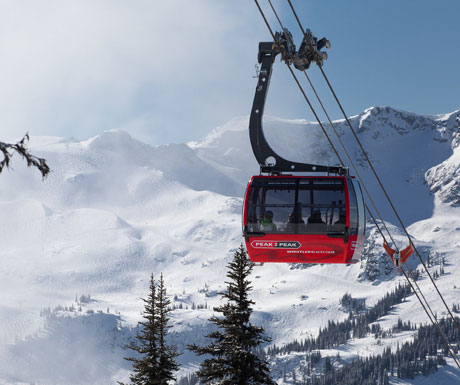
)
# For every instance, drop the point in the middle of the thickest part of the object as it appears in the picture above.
(155, 363)
(166, 363)
(233, 358)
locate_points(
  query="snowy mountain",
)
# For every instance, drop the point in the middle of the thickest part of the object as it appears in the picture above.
(115, 210)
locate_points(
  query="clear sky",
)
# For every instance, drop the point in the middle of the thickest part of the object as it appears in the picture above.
(171, 71)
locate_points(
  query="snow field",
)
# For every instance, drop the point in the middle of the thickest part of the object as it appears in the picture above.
(115, 210)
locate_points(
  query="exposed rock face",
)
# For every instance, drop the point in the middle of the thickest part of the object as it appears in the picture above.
(444, 179)
(376, 266)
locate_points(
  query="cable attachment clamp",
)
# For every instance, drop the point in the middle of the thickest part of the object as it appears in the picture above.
(309, 50)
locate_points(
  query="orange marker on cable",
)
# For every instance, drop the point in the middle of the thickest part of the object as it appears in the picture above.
(398, 257)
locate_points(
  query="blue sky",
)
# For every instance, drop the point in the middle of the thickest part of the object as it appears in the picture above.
(171, 71)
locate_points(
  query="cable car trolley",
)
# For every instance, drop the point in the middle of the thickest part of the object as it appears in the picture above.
(288, 217)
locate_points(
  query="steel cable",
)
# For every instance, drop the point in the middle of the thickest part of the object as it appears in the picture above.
(433, 320)
(378, 178)
(431, 315)
(426, 305)
(339, 139)
(391, 203)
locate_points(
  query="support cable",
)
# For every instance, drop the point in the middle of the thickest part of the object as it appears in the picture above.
(340, 141)
(378, 178)
(430, 316)
(426, 306)
(391, 203)
(433, 321)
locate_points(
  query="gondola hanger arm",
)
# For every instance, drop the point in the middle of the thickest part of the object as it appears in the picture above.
(268, 159)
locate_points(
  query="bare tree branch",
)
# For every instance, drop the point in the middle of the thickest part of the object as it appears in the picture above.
(21, 148)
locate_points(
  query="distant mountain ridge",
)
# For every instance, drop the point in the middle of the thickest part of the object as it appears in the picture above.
(403, 147)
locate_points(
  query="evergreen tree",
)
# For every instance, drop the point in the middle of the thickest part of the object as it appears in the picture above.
(166, 363)
(233, 358)
(154, 364)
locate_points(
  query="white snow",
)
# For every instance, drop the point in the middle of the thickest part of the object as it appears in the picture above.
(114, 210)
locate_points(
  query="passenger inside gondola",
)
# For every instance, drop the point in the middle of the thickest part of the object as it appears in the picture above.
(298, 206)
(315, 223)
(315, 217)
(295, 222)
(267, 224)
(308, 210)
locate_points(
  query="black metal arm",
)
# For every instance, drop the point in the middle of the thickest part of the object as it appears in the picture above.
(268, 159)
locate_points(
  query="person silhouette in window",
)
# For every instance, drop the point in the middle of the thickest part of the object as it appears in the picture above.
(295, 220)
(267, 224)
(315, 217)
(315, 223)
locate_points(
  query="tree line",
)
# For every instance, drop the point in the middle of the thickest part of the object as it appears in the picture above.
(422, 356)
(234, 355)
(355, 326)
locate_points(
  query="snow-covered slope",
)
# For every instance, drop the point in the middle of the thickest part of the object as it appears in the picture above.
(402, 146)
(115, 210)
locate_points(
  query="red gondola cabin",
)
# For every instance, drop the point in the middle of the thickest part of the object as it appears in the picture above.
(304, 219)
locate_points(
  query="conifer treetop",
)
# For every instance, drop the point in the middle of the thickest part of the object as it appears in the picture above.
(234, 360)
(154, 363)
